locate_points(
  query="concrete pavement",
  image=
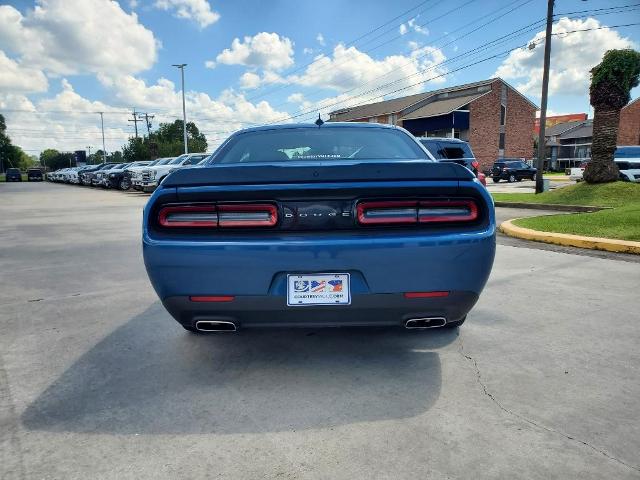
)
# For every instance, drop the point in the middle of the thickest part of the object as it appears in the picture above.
(97, 381)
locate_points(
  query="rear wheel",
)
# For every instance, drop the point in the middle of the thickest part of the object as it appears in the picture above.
(533, 177)
(496, 180)
(512, 178)
(455, 324)
(124, 184)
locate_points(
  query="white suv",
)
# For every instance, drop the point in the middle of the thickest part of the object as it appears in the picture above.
(153, 176)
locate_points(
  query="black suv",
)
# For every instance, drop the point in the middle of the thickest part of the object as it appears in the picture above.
(451, 150)
(13, 175)
(512, 171)
(34, 175)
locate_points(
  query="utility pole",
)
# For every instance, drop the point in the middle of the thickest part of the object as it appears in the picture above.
(135, 121)
(104, 149)
(543, 102)
(184, 109)
(147, 119)
(89, 154)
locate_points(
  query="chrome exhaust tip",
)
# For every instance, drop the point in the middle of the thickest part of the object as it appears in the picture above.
(215, 326)
(427, 322)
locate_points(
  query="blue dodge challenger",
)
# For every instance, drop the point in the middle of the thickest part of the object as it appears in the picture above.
(342, 224)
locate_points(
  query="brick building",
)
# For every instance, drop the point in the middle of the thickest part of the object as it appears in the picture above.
(629, 127)
(569, 143)
(491, 115)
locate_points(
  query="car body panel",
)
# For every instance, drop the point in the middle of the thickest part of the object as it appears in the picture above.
(383, 263)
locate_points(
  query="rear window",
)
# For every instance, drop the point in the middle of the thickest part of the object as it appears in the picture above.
(13, 170)
(443, 150)
(319, 144)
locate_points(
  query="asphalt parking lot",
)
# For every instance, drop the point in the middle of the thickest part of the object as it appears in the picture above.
(97, 381)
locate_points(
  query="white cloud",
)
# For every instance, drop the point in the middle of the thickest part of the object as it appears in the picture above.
(210, 64)
(320, 39)
(307, 51)
(572, 56)
(417, 28)
(65, 37)
(348, 68)
(264, 50)
(295, 98)
(413, 25)
(15, 77)
(66, 121)
(226, 113)
(251, 80)
(198, 11)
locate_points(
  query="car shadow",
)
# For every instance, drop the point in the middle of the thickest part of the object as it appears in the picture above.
(150, 376)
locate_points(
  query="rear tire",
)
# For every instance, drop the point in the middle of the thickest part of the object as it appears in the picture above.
(456, 324)
(496, 180)
(512, 178)
(124, 185)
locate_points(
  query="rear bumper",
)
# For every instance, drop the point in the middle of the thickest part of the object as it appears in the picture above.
(365, 310)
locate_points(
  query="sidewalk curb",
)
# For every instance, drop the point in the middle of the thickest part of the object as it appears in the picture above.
(551, 206)
(593, 243)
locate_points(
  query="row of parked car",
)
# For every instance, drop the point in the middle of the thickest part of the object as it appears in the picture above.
(143, 176)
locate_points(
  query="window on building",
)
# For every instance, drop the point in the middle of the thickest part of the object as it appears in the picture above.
(503, 114)
(501, 142)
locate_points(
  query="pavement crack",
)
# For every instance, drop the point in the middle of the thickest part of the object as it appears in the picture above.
(540, 426)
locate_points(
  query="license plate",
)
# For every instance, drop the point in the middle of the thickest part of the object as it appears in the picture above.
(318, 289)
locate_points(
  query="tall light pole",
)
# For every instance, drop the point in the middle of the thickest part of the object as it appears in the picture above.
(543, 102)
(104, 149)
(89, 154)
(184, 109)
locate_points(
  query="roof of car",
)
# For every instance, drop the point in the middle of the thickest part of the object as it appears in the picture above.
(441, 139)
(285, 126)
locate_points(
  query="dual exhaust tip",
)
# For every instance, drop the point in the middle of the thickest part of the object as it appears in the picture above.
(411, 324)
(422, 323)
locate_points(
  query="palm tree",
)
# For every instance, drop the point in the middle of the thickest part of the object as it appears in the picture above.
(611, 81)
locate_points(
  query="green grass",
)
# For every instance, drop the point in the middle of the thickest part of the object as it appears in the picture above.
(621, 222)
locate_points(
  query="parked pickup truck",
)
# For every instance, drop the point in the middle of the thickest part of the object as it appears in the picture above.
(626, 158)
(152, 176)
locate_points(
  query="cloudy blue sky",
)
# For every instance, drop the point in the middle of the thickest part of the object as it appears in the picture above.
(252, 62)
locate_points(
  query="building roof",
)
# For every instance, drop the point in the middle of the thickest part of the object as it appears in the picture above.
(585, 129)
(632, 102)
(397, 105)
(442, 107)
(559, 128)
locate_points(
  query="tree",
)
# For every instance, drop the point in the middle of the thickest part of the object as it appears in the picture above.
(47, 156)
(9, 153)
(611, 84)
(167, 141)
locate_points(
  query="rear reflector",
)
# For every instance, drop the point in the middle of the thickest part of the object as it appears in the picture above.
(213, 298)
(411, 212)
(425, 294)
(218, 216)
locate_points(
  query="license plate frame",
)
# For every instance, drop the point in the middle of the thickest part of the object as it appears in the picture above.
(323, 292)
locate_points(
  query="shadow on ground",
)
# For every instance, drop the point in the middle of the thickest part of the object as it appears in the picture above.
(149, 376)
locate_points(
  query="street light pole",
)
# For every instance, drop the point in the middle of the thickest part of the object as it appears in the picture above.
(89, 155)
(543, 100)
(104, 149)
(184, 109)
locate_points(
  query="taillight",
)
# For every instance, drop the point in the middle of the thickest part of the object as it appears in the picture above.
(447, 211)
(372, 213)
(419, 211)
(252, 215)
(188, 216)
(475, 164)
(218, 216)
